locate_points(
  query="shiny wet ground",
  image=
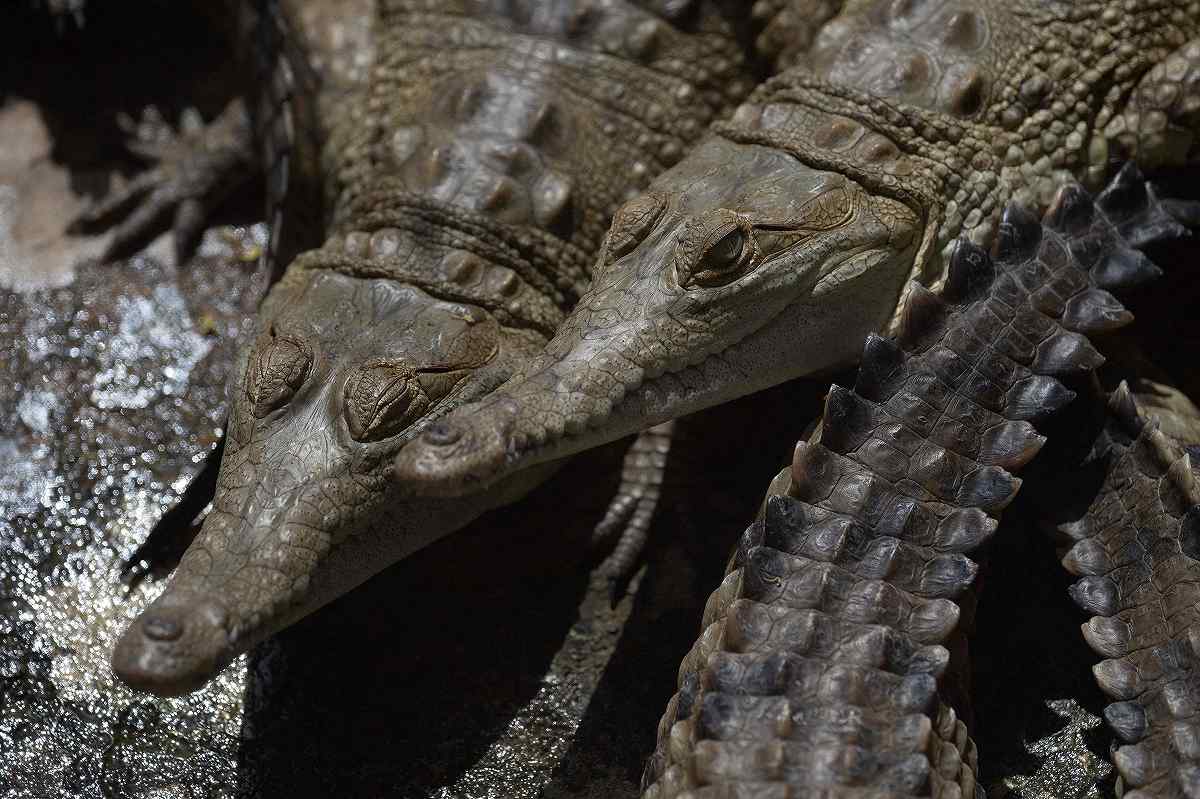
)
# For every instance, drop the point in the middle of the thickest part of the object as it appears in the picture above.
(487, 665)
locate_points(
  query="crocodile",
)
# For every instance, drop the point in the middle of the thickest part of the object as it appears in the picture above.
(463, 184)
(826, 661)
(791, 231)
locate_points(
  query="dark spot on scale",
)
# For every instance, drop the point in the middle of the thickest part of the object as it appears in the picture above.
(968, 91)
(441, 434)
(161, 629)
(966, 30)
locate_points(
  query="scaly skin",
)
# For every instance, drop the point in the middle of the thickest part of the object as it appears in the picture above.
(819, 669)
(788, 234)
(1137, 552)
(470, 186)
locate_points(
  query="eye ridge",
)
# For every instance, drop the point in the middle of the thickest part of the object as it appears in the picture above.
(276, 371)
(381, 398)
(711, 255)
(633, 222)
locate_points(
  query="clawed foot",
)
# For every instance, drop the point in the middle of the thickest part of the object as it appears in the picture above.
(632, 509)
(192, 172)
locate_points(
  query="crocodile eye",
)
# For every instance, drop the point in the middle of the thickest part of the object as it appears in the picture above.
(382, 398)
(276, 371)
(725, 254)
(633, 222)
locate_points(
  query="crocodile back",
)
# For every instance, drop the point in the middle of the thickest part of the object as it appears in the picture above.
(496, 139)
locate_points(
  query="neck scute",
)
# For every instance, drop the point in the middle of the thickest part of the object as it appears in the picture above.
(527, 278)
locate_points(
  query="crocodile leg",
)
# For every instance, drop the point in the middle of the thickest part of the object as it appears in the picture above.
(819, 667)
(193, 171)
(632, 509)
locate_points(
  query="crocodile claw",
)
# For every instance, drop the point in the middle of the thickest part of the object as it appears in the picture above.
(192, 172)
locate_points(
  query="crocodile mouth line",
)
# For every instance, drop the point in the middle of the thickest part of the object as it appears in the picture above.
(427, 465)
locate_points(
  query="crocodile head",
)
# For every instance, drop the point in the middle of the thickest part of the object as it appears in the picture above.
(342, 370)
(738, 269)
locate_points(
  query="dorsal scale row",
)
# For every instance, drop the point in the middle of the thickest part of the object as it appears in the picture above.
(1136, 551)
(531, 120)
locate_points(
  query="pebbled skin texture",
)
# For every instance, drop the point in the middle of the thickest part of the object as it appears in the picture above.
(1135, 551)
(792, 230)
(820, 669)
(469, 173)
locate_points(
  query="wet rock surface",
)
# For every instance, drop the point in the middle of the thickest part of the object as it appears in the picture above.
(489, 664)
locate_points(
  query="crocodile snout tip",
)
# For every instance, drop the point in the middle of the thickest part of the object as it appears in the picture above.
(175, 647)
(461, 453)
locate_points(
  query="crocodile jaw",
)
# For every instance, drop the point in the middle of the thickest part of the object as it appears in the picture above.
(305, 508)
(246, 578)
(467, 452)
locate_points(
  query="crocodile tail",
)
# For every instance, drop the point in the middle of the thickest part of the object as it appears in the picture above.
(820, 670)
(1137, 554)
(285, 130)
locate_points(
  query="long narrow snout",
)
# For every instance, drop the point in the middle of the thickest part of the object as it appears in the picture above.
(177, 645)
(567, 400)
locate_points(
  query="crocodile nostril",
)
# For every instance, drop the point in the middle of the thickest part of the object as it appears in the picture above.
(442, 434)
(161, 629)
